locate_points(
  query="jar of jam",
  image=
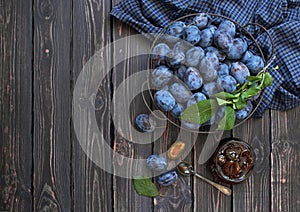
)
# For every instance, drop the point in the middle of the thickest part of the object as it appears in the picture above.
(233, 160)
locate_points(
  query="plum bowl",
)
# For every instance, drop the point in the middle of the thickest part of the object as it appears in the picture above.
(208, 72)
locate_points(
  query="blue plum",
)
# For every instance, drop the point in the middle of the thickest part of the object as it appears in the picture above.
(246, 57)
(193, 79)
(202, 20)
(240, 72)
(177, 110)
(212, 50)
(161, 76)
(255, 64)
(245, 112)
(208, 67)
(192, 34)
(228, 26)
(212, 28)
(211, 88)
(213, 58)
(175, 31)
(180, 92)
(175, 59)
(167, 178)
(223, 40)
(180, 71)
(194, 55)
(207, 37)
(228, 83)
(238, 48)
(223, 69)
(144, 123)
(159, 53)
(181, 46)
(164, 100)
(156, 163)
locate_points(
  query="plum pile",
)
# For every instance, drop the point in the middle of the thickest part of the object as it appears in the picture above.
(197, 58)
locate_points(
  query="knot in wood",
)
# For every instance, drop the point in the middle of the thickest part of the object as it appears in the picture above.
(46, 9)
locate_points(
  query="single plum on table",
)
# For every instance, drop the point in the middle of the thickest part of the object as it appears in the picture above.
(144, 123)
(156, 163)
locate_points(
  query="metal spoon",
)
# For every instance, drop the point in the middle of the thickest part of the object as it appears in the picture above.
(187, 169)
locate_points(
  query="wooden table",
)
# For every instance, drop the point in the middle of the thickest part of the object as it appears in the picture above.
(44, 45)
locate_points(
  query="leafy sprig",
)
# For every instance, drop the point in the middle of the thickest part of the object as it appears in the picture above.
(144, 186)
(202, 111)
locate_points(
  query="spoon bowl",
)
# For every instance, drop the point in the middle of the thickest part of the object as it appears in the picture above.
(185, 169)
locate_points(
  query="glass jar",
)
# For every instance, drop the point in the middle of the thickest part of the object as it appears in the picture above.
(233, 160)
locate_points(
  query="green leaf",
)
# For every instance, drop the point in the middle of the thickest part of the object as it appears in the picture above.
(240, 88)
(227, 122)
(235, 100)
(199, 113)
(254, 78)
(240, 104)
(252, 91)
(225, 95)
(267, 81)
(221, 101)
(144, 186)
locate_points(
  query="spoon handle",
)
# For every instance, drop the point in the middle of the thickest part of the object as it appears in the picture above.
(221, 188)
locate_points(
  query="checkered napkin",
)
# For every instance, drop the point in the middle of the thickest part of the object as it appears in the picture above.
(280, 17)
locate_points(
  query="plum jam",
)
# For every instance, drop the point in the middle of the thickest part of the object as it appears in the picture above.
(233, 160)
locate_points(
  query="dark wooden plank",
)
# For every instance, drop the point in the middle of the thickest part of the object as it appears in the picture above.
(254, 193)
(15, 106)
(52, 111)
(206, 197)
(285, 183)
(179, 196)
(91, 186)
(125, 148)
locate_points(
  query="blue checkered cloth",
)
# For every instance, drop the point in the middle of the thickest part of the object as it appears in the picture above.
(280, 17)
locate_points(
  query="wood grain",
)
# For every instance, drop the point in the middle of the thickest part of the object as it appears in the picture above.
(91, 186)
(44, 44)
(15, 106)
(176, 197)
(125, 197)
(253, 194)
(206, 197)
(285, 161)
(52, 111)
